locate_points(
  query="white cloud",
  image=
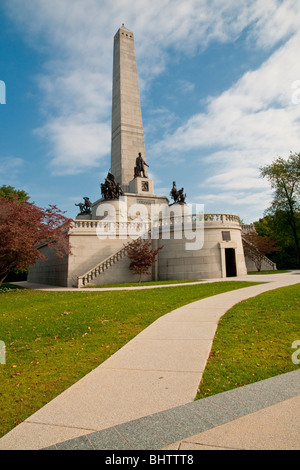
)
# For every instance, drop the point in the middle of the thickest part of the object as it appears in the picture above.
(77, 146)
(250, 123)
(76, 38)
(75, 80)
(237, 198)
(185, 86)
(277, 20)
(240, 130)
(10, 166)
(247, 204)
(237, 179)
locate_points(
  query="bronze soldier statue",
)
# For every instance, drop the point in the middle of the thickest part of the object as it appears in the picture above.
(86, 207)
(176, 195)
(111, 189)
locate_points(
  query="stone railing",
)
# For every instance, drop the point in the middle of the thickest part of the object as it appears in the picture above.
(222, 218)
(248, 228)
(93, 273)
(262, 258)
(106, 226)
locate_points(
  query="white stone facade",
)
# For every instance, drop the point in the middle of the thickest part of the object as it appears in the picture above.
(97, 240)
(175, 261)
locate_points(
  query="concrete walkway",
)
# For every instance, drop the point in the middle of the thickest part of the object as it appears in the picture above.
(135, 399)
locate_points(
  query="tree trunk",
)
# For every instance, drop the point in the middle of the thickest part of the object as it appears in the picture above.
(2, 277)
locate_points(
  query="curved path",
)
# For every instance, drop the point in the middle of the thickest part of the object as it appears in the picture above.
(160, 369)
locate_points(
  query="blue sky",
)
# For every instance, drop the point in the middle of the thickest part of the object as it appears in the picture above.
(220, 95)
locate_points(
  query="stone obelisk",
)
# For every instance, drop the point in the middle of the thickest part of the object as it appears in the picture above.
(127, 139)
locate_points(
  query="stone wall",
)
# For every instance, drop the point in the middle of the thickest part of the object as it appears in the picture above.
(175, 262)
(53, 271)
(119, 273)
(222, 233)
(266, 265)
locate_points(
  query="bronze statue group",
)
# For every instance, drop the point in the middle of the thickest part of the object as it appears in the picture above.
(111, 189)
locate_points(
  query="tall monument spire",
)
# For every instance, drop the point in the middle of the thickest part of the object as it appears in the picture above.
(127, 136)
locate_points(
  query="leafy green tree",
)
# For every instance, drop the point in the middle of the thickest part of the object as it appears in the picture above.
(276, 227)
(284, 177)
(9, 192)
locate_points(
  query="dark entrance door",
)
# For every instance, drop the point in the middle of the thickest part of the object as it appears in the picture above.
(230, 262)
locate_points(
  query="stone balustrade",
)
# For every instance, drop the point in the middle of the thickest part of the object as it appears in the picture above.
(248, 228)
(222, 218)
(103, 226)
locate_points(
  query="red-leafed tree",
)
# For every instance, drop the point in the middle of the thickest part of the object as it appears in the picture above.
(24, 228)
(257, 247)
(142, 256)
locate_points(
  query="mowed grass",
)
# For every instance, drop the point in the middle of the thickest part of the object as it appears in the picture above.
(141, 284)
(54, 338)
(254, 341)
(273, 271)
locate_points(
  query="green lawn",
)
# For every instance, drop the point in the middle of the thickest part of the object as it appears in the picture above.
(54, 338)
(272, 271)
(7, 287)
(141, 284)
(253, 341)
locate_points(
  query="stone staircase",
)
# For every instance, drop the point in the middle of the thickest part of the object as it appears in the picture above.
(93, 273)
(266, 261)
